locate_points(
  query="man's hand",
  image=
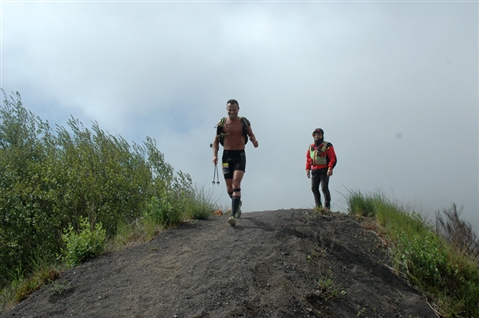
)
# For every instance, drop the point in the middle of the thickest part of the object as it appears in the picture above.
(255, 144)
(308, 173)
(330, 172)
(215, 159)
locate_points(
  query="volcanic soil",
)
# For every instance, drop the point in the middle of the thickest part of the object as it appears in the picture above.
(284, 263)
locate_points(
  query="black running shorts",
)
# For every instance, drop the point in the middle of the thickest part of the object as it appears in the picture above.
(233, 160)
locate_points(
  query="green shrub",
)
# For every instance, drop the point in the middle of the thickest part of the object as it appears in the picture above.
(440, 262)
(126, 235)
(200, 205)
(54, 180)
(163, 212)
(436, 268)
(424, 260)
(201, 211)
(83, 245)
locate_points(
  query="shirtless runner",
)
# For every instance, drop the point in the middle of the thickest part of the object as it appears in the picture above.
(234, 156)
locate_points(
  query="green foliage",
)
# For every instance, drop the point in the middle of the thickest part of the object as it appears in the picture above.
(441, 271)
(176, 203)
(84, 244)
(106, 179)
(127, 234)
(327, 286)
(52, 180)
(26, 286)
(200, 205)
(21, 286)
(163, 212)
(29, 222)
(360, 204)
(424, 259)
(392, 217)
(442, 263)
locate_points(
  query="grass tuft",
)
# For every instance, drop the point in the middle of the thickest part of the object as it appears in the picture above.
(441, 261)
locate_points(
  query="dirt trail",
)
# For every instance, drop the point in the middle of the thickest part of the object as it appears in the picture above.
(269, 265)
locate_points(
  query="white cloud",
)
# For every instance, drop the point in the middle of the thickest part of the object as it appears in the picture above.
(394, 85)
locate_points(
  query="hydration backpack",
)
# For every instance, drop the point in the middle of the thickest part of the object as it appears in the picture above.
(319, 155)
(219, 129)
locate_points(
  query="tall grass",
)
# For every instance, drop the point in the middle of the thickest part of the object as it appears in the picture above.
(23, 284)
(441, 261)
(175, 207)
(198, 204)
(68, 193)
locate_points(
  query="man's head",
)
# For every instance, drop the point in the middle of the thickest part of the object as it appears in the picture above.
(319, 132)
(232, 107)
(318, 135)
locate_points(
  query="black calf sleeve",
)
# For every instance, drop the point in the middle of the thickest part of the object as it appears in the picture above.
(235, 205)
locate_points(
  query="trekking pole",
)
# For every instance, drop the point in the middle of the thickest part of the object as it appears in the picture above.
(215, 174)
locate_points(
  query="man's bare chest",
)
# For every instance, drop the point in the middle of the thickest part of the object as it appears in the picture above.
(233, 128)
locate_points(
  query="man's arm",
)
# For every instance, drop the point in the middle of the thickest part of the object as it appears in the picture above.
(252, 137)
(216, 146)
(308, 164)
(332, 160)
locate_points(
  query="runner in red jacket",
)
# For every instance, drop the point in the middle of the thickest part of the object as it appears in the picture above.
(320, 162)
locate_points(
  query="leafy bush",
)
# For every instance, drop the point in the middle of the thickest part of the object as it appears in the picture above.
(30, 223)
(88, 173)
(424, 259)
(83, 245)
(441, 262)
(56, 180)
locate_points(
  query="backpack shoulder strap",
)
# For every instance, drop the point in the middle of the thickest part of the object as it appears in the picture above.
(245, 122)
(219, 130)
(221, 122)
(325, 146)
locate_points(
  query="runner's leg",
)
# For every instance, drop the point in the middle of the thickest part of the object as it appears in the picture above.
(237, 178)
(229, 187)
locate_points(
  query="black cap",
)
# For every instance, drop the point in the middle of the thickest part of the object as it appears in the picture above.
(318, 130)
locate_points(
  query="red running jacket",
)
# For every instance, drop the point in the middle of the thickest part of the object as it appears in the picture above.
(324, 159)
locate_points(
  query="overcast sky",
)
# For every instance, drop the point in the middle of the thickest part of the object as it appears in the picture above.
(394, 86)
